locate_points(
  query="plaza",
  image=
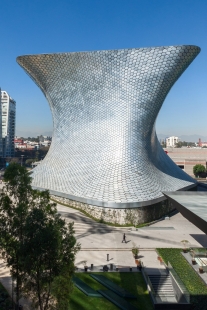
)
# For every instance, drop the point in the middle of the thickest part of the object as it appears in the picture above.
(112, 165)
(96, 237)
(102, 244)
(108, 81)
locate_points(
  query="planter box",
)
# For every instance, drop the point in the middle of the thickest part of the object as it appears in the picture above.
(200, 270)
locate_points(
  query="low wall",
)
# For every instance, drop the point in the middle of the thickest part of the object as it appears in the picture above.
(133, 216)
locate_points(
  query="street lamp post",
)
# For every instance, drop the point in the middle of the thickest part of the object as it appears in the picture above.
(22, 159)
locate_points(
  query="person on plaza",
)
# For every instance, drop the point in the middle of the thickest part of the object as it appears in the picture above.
(124, 238)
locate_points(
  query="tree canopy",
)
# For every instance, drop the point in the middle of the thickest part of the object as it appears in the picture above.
(198, 169)
(29, 161)
(35, 242)
(184, 143)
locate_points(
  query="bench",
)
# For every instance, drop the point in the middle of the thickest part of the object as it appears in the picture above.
(117, 300)
(112, 286)
(85, 288)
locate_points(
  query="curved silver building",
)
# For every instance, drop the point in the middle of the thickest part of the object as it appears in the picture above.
(104, 105)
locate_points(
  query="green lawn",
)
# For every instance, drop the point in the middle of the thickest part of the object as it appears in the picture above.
(133, 282)
(194, 284)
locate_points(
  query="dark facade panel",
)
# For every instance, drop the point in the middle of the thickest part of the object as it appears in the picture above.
(192, 205)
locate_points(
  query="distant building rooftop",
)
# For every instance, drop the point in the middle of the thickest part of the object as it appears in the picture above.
(187, 158)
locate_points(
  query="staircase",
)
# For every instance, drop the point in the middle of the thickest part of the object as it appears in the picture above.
(162, 286)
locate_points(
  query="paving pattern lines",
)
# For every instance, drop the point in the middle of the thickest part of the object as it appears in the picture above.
(83, 225)
(122, 259)
(165, 233)
(97, 240)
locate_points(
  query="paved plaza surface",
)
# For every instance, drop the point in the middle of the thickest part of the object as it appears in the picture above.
(97, 240)
(163, 233)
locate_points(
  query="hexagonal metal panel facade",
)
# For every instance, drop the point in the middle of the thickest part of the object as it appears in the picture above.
(104, 105)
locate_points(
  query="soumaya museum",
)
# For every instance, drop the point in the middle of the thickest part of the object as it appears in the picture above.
(105, 156)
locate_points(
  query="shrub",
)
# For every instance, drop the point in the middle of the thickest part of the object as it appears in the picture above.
(135, 251)
(198, 169)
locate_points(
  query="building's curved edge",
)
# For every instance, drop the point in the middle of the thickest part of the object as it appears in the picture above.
(113, 205)
(107, 50)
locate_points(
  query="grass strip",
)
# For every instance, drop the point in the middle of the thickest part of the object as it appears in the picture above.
(131, 281)
(194, 284)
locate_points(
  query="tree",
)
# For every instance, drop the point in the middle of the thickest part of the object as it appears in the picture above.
(184, 143)
(14, 160)
(179, 144)
(61, 289)
(198, 169)
(163, 143)
(48, 253)
(14, 201)
(29, 161)
(36, 243)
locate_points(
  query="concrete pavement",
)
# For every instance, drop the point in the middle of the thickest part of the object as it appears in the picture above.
(165, 233)
(97, 240)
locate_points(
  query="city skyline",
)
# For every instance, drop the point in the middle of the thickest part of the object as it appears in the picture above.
(90, 25)
(186, 138)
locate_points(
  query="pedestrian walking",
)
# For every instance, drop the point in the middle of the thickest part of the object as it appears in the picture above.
(124, 238)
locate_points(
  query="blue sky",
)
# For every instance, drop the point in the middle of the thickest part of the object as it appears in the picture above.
(49, 26)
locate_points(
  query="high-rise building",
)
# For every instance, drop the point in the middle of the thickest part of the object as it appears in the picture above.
(8, 112)
(1, 147)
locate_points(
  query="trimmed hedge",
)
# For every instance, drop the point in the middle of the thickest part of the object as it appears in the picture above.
(194, 284)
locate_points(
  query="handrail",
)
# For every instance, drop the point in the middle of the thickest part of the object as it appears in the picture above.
(179, 282)
(149, 283)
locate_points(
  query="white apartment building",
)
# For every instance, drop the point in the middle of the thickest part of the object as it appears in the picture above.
(171, 141)
(8, 112)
